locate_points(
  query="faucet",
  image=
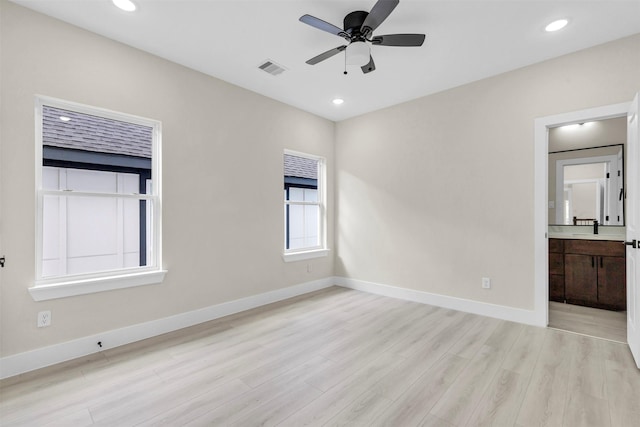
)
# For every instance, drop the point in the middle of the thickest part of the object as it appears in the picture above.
(595, 226)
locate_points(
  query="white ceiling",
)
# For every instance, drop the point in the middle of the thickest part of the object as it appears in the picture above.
(466, 41)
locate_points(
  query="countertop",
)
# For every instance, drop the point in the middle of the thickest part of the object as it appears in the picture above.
(585, 232)
(580, 236)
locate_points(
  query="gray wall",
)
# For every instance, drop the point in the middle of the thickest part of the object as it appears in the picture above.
(222, 178)
(434, 194)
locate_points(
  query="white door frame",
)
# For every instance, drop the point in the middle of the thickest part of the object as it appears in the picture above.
(632, 231)
(540, 196)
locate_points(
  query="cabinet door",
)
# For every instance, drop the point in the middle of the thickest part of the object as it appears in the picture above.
(612, 290)
(581, 279)
(556, 263)
(556, 287)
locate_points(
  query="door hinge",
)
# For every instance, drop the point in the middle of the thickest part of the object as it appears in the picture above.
(608, 175)
(607, 217)
(2, 261)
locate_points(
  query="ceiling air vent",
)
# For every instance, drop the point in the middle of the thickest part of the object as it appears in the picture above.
(271, 67)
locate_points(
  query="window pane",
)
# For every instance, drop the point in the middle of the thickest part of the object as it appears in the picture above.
(311, 225)
(92, 234)
(303, 222)
(300, 167)
(301, 183)
(296, 194)
(91, 149)
(90, 180)
(93, 154)
(65, 130)
(50, 178)
(296, 227)
(95, 181)
(310, 195)
(148, 257)
(51, 233)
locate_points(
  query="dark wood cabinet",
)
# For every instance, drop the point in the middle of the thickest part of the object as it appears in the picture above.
(612, 289)
(556, 270)
(581, 279)
(588, 272)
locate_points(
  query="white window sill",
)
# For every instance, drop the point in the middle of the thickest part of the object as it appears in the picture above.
(299, 256)
(43, 292)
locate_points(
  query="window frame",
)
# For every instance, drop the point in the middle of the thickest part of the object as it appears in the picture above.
(86, 283)
(320, 250)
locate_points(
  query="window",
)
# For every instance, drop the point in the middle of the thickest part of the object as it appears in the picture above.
(98, 200)
(304, 206)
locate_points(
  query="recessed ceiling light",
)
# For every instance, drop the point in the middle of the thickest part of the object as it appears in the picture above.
(65, 118)
(556, 25)
(338, 101)
(126, 5)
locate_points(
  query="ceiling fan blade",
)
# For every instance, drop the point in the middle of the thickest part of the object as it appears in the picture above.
(371, 66)
(380, 11)
(322, 25)
(326, 55)
(399, 40)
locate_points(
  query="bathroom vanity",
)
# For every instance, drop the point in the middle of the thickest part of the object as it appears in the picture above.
(589, 271)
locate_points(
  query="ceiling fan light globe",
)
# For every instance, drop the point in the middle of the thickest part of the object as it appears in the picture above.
(358, 53)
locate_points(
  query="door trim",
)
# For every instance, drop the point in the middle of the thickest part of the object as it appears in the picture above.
(540, 194)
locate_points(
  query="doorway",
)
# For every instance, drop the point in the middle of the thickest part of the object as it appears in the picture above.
(585, 179)
(541, 193)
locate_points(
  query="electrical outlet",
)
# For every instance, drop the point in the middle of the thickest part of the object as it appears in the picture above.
(44, 319)
(486, 283)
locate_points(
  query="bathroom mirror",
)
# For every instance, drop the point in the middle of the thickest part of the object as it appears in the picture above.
(586, 179)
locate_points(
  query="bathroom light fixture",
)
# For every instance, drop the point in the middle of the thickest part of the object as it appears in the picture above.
(556, 25)
(580, 125)
(126, 5)
(338, 101)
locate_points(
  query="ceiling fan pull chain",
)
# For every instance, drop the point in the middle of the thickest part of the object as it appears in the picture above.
(345, 62)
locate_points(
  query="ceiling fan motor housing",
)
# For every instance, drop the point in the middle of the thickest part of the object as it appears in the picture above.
(353, 24)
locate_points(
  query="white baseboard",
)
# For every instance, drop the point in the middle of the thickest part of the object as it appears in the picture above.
(51, 355)
(528, 317)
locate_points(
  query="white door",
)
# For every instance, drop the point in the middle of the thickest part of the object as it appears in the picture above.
(633, 231)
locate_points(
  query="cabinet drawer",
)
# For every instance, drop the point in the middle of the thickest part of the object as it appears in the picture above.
(556, 245)
(594, 247)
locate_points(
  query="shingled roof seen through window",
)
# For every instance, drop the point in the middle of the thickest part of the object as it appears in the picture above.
(300, 167)
(92, 133)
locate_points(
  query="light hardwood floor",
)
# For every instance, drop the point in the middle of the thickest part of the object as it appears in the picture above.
(339, 357)
(607, 324)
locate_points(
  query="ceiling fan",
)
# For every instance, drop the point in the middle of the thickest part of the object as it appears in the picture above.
(358, 31)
